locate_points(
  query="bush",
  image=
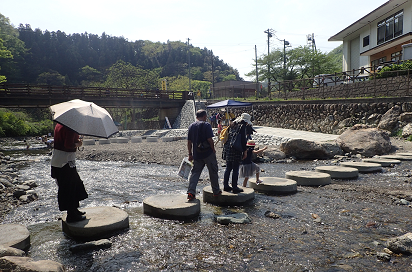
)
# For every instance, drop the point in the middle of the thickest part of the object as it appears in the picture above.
(14, 124)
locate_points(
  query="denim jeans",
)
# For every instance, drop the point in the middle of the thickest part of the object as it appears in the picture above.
(231, 166)
(197, 169)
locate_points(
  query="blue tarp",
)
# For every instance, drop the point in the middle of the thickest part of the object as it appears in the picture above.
(229, 103)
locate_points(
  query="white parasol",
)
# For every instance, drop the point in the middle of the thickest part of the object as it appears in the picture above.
(86, 118)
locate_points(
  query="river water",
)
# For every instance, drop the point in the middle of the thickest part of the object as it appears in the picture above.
(356, 220)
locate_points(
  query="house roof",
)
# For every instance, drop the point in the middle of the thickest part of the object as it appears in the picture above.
(383, 10)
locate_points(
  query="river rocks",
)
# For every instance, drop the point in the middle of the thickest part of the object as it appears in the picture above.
(303, 149)
(383, 256)
(401, 244)
(237, 218)
(366, 141)
(407, 131)
(25, 264)
(389, 120)
(274, 154)
(93, 245)
(14, 235)
(11, 251)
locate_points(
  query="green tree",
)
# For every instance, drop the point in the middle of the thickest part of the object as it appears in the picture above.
(4, 54)
(51, 78)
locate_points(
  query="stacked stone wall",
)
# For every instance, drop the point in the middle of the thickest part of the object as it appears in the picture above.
(332, 118)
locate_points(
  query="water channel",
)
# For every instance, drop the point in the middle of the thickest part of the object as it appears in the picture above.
(356, 219)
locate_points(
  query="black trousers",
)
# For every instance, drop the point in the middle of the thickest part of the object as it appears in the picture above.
(71, 188)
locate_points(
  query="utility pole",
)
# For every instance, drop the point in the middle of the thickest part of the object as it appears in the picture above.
(285, 42)
(311, 42)
(257, 74)
(213, 75)
(188, 54)
(270, 33)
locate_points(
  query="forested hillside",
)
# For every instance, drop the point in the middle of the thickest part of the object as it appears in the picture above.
(57, 58)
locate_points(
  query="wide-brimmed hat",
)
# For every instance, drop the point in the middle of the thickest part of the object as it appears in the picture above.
(250, 143)
(244, 117)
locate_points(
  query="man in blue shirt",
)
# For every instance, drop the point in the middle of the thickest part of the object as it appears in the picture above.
(200, 133)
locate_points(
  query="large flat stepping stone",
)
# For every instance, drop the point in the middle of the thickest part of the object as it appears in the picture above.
(404, 154)
(14, 235)
(397, 157)
(338, 172)
(89, 142)
(363, 167)
(176, 207)
(151, 139)
(383, 162)
(228, 198)
(136, 139)
(309, 178)
(104, 141)
(100, 222)
(122, 140)
(274, 185)
(167, 139)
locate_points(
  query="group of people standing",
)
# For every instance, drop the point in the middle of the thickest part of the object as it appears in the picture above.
(237, 152)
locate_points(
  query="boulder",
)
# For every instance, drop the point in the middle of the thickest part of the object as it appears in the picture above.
(407, 130)
(406, 117)
(93, 245)
(13, 263)
(304, 149)
(10, 251)
(368, 142)
(274, 154)
(401, 244)
(237, 218)
(389, 120)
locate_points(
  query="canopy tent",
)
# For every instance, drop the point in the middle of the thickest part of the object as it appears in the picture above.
(229, 104)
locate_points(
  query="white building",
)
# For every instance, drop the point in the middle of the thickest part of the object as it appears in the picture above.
(378, 36)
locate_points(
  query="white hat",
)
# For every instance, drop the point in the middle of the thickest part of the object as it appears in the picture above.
(245, 117)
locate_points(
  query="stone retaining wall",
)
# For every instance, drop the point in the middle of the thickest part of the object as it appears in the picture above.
(323, 116)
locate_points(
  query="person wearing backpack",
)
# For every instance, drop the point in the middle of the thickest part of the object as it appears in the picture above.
(234, 151)
(202, 152)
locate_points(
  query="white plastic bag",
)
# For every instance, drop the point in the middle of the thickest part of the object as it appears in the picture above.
(185, 168)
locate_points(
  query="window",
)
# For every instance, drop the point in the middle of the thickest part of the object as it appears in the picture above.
(390, 28)
(396, 56)
(366, 41)
(378, 61)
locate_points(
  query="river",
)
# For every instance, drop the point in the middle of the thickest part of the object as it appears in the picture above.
(357, 216)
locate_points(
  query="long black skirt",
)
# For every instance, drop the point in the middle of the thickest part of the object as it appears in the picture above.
(71, 188)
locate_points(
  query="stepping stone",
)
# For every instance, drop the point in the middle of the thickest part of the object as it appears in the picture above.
(176, 207)
(100, 222)
(14, 235)
(104, 141)
(338, 172)
(136, 139)
(274, 185)
(404, 154)
(151, 139)
(228, 198)
(167, 139)
(122, 140)
(363, 167)
(113, 140)
(309, 178)
(383, 162)
(397, 157)
(89, 142)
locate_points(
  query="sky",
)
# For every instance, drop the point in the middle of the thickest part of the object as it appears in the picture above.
(230, 28)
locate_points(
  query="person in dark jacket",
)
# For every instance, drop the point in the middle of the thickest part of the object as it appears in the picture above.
(232, 156)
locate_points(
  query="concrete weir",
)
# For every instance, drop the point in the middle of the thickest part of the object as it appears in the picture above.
(171, 207)
(309, 178)
(14, 235)
(228, 198)
(100, 222)
(363, 167)
(274, 185)
(339, 172)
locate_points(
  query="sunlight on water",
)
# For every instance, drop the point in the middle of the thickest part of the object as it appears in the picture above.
(294, 242)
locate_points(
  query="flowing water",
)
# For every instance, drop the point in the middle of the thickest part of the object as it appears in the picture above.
(355, 222)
